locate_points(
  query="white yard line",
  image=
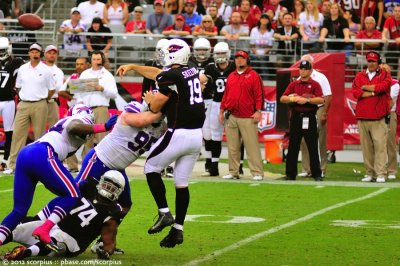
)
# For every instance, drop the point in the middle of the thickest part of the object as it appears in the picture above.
(6, 190)
(283, 226)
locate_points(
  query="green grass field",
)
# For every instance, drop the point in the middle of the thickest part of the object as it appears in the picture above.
(238, 222)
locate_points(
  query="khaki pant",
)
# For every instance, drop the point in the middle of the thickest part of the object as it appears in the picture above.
(321, 145)
(391, 145)
(34, 113)
(373, 138)
(100, 117)
(52, 114)
(245, 129)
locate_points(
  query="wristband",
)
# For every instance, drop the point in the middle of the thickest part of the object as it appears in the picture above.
(99, 128)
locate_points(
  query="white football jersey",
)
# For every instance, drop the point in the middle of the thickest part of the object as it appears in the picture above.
(125, 144)
(62, 142)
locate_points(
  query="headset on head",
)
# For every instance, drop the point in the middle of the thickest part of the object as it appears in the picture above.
(103, 57)
(379, 56)
(248, 56)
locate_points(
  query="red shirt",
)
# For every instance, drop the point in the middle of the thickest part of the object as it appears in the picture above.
(374, 107)
(243, 94)
(394, 28)
(133, 25)
(173, 27)
(376, 34)
(301, 88)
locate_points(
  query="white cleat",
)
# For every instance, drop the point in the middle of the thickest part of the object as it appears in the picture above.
(367, 178)
(391, 177)
(257, 178)
(230, 177)
(380, 179)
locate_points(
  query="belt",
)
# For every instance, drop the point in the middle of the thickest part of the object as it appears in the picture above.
(33, 101)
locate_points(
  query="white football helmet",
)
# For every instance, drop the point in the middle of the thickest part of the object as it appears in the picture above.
(202, 49)
(176, 51)
(111, 185)
(222, 54)
(5, 48)
(82, 111)
(135, 107)
(159, 45)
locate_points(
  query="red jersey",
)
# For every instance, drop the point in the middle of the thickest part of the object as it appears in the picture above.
(393, 26)
(133, 25)
(375, 107)
(376, 34)
(244, 93)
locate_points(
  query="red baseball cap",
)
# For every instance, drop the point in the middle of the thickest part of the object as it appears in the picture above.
(160, 2)
(190, 2)
(242, 54)
(372, 56)
(179, 17)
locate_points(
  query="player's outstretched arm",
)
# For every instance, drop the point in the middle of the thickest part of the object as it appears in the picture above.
(79, 128)
(146, 71)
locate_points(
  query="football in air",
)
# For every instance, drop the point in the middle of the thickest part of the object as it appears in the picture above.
(30, 21)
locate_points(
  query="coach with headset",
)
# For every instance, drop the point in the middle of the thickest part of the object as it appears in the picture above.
(99, 98)
(241, 106)
(371, 88)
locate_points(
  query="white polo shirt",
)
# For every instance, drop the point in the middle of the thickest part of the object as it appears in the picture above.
(34, 82)
(58, 77)
(89, 11)
(98, 98)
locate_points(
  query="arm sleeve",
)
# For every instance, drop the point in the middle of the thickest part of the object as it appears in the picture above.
(356, 87)
(259, 91)
(385, 82)
(110, 87)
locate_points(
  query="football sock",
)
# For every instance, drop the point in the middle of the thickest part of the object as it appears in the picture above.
(157, 189)
(182, 203)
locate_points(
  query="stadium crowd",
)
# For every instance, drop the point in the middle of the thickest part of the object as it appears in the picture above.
(177, 80)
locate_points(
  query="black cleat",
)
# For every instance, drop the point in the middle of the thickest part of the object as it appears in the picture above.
(174, 237)
(169, 172)
(214, 169)
(318, 178)
(18, 253)
(164, 220)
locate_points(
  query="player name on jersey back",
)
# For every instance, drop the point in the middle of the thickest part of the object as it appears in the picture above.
(189, 73)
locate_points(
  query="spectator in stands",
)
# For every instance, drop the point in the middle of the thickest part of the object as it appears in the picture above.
(224, 10)
(115, 12)
(250, 14)
(206, 29)
(325, 8)
(98, 42)
(372, 8)
(234, 31)
(389, 6)
(371, 89)
(391, 143)
(261, 43)
(391, 32)
(70, 27)
(310, 23)
(299, 7)
(336, 27)
(90, 10)
(178, 29)
(354, 22)
(271, 14)
(277, 8)
(137, 25)
(174, 7)
(14, 8)
(192, 19)
(218, 21)
(157, 21)
(287, 37)
(369, 32)
(5, 9)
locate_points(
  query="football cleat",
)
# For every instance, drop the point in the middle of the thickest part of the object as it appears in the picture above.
(42, 233)
(18, 253)
(3, 166)
(99, 245)
(164, 220)
(174, 237)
